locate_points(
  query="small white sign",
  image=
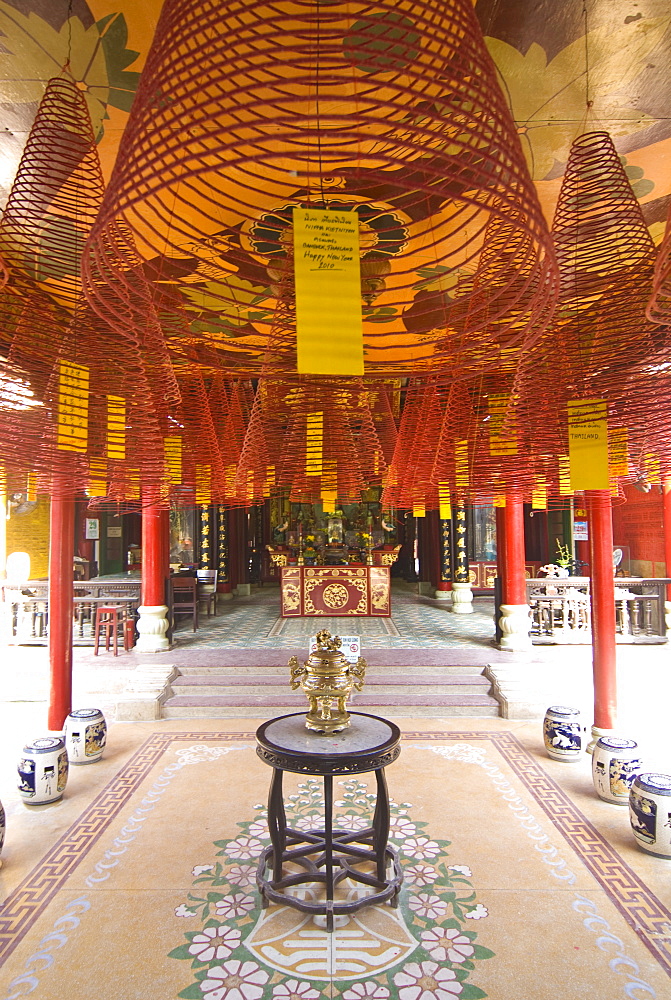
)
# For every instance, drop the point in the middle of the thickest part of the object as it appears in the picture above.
(580, 533)
(92, 528)
(114, 531)
(350, 646)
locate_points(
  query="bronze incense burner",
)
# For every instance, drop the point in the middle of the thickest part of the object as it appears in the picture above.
(327, 679)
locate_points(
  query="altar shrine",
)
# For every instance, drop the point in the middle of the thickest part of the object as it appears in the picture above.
(335, 591)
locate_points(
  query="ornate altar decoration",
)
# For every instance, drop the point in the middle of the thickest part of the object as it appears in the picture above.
(354, 535)
(327, 679)
(335, 591)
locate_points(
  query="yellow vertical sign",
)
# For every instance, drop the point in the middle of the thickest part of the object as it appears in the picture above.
(203, 483)
(564, 475)
(327, 272)
(461, 467)
(444, 502)
(501, 442)
(539, 495)
(173, 459)
(588, 444)
(73, 406)
(314, 439)
(97, 485)
(329, 484)
(116, 427)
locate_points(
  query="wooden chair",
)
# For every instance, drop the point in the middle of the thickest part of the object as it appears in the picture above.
(184, 593)
(207, 589)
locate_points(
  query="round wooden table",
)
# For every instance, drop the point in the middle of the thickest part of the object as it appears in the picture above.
(324, 856)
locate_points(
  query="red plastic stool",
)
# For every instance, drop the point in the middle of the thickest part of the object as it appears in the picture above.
(108, 619)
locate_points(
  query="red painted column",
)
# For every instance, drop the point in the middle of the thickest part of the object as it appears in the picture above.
(514, 622)
(153, 554)
(667, 533)
(500, 544)
(514, 579)
(602, 599)
(152, 624)
(61, 552)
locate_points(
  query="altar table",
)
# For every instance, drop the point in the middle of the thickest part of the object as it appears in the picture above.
(335, 591)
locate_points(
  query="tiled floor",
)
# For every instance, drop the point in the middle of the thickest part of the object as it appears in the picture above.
(416, 621)
(519, 882)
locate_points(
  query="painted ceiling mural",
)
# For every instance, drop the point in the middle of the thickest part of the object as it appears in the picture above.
(215, 275)
(545, 59)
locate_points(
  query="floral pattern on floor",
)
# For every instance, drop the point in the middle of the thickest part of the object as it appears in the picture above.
(426, 949)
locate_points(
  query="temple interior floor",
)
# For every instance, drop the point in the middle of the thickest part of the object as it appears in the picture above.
(519, 881)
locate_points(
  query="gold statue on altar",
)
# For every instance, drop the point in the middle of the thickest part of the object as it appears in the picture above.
(327, 679)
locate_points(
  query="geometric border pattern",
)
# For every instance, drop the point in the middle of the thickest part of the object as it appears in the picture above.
(642, 910)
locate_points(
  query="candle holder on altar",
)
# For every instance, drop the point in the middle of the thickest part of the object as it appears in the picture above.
(327, 679)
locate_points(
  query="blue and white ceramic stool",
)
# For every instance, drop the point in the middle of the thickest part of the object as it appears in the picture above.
(615, 764)
(85, 735)
(562, 733)
(650, 813)
(43, 770)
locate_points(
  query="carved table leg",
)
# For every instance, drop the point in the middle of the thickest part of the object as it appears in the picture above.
(277, 822)
(381, 824)
(328, 848)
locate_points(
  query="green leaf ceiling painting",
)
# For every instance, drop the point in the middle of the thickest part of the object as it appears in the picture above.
(548, 54)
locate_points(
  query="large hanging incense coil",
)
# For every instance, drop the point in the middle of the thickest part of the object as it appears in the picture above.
(55, 342)
(659, 306)
(54, 199)
(389, 109)
(314, 438)
(600, 334)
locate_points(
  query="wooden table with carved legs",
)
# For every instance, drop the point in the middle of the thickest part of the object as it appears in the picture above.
(324, 857)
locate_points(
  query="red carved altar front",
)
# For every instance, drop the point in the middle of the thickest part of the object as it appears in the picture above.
(335, 591)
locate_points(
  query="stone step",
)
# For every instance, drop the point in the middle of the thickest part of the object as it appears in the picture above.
(220, 692)
(417, 671)
(229, 707)
(206, 688)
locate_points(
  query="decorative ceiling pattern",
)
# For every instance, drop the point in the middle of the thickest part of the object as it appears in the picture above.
(447, 127)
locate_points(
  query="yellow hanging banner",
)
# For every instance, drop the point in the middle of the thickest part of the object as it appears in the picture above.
(618, 452)
(501, 442)
(539, 496)
(116, 427)
(588, 444)
(203, 483)
(652, 468)
(314, 438)
(564, 470)
(73, 407)
(461, 466)
(327, 273)
(172, 447)
(444, 502)
(329, 490)
(97, 485)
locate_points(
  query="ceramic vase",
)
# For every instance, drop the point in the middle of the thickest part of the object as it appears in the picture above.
(562, 733)
(615, 764)
(43, 770)
(650, 813)
(85, 735)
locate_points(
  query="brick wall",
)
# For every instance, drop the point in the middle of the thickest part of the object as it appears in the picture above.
(30, 533)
